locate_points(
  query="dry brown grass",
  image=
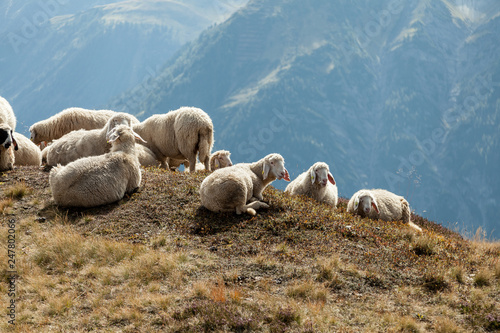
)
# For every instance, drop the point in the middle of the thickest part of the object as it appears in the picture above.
(157, 261)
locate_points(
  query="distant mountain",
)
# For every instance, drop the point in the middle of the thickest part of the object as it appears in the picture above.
(403, 96)
(57, 54)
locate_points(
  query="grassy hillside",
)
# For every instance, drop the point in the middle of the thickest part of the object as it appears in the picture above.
(157, 260)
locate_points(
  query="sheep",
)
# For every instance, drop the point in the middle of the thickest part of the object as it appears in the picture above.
(98, 180)
(146, 156)
(7, 114)
(83, 143)
(239, 187)
(179, 134)
(219, 159)
(317, 183)
(7, 142)
(27, 153)
(381, 204)
(68, 120)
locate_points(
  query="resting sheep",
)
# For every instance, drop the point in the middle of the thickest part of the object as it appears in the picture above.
(218, 160)
(317, 183)
(27, 153)
(381, 204)
(83, 143)
(146, 156)
(7, 142)
(179, 134)
(99, 180)
(239, 187)
(68, 120)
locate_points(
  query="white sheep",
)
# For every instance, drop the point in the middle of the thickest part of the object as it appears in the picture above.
(83, 143)
(7, 142)
(317, 183)
(381, 204)
(68, 120)
(180, 134)
(146, 156)
(27, 153)
(99, 180)
(218, 160)
(239, 187)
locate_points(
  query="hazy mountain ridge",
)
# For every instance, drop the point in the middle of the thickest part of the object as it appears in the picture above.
(66, 54)
(375, 94)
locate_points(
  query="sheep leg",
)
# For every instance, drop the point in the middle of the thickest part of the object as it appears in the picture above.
(251, 208)
(192, 163)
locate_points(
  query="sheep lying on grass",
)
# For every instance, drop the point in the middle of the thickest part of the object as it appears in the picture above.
(381, 204)
(218, 160)
(99, 180)
(239, 187)
(27, 153)
(7, 142)
(180, 134)
(83, 143)
(68, 120)
(317, 183)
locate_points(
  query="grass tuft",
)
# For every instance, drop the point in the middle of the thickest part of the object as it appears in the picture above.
(17, 191)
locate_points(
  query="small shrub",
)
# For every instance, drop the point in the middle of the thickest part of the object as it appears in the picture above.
(482, 279)
(457, 273)
(17, 191)
(424, 246)
(434, 282)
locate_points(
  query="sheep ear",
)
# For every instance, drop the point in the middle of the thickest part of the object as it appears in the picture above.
(313, 175)
(265, 171)
(138, 137)
(374, 204)
(356, 202)
(112, 137)
(331, 179)
(287, 176)
(217, 163)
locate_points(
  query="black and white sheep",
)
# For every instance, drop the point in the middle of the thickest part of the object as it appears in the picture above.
(7, 142)
(239, 187)
(99, 180)
(317, 183)
(180, 134)
(381, 204)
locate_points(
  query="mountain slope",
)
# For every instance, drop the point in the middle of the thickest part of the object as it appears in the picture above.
(368, 88)
(298, 266)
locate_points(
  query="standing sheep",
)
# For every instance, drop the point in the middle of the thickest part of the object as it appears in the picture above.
(68, 120)
(83, 143)
(179, 134)
(7, 142)
(239, 187)
(381, 204)
(99, 180)
(27, 153)
(317, 183)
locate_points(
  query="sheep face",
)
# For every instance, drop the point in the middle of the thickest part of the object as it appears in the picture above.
(123, 133)
(274, 167)
(321, 175)
(115, 121)
(222, 160)
(6, 137)
(364, 204)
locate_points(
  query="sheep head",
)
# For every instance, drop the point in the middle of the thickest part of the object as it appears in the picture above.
(6, 137)
(364, 202)
(320, 174)
(222, 159)
(274, 167)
